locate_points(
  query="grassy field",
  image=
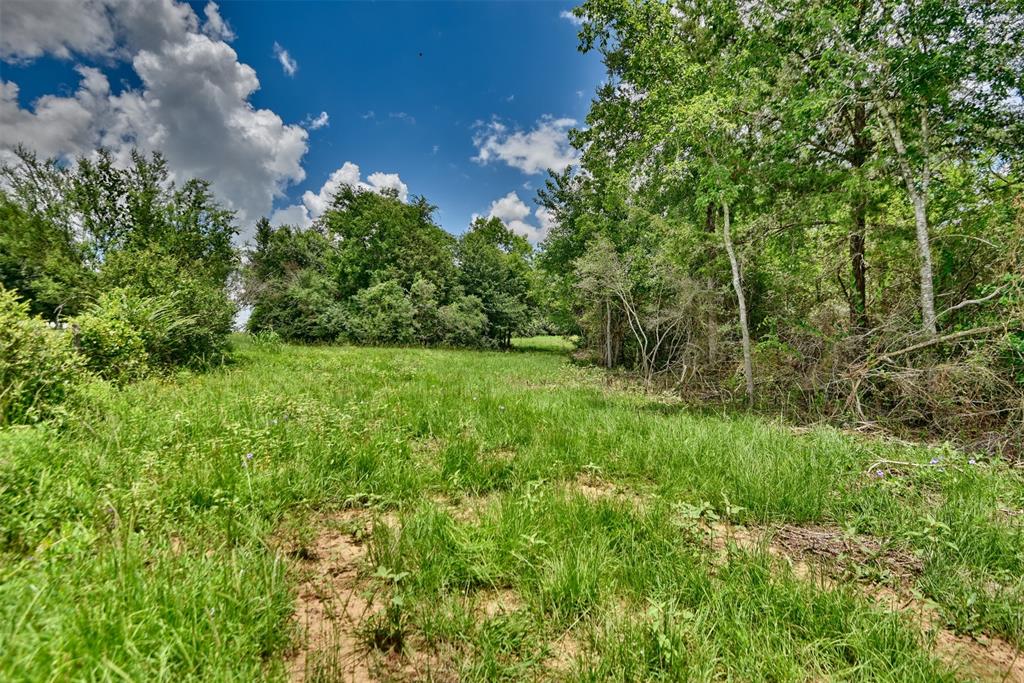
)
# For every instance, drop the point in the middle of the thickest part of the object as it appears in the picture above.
(343, 513)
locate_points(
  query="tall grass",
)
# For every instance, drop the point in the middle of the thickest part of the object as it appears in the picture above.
(133, 542)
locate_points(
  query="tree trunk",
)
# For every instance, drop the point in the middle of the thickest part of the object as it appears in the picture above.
(709, 226)
(608, 333)
(859, 298)
(918, 193)
(737, 284)
(928, 320)
(858, 156)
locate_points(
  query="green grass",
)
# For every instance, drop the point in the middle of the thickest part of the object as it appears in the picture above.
(134, 544)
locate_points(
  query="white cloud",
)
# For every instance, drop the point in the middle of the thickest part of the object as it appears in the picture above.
(215, 26)
(513, 212)
(58, 125)
(317, 122)
(315, 203)
(289, 65)
(545, 146)
(193, 105)
(113, 28)
(569, 16)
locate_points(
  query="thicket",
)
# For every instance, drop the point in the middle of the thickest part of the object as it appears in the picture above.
(40, 372)
(814, 208)
(114, 262)
(376, 270)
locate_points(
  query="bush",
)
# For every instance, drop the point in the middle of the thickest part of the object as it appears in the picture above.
(428, 327)
(299, 308)
(112, 335)
(40, 373)
(383, 314)
(185, 316)
(464, 322)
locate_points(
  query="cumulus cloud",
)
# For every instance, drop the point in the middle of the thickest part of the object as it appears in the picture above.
(514, 213)
(58, 125)
(544, 147)
(289, 65)
(317, 122)
(193, 105)
(113, 28)
(314, 204)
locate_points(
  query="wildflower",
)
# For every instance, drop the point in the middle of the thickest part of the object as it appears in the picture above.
(879, 473)
(972, 461)
(935, 461)
(246, 459)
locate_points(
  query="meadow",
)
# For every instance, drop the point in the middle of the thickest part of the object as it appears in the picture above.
(334, 513)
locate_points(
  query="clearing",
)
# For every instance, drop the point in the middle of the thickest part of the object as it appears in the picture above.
(350, 514)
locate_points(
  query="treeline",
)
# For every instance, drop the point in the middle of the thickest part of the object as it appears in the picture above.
(106, 269)
(376, 270)
(110, 270)
(814, 207)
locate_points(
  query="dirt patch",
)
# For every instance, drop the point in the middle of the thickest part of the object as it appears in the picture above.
(851, 553)
(498, 602)
(465, 509)
(564, 652)
(995, 660)
(331, 603)
(594, 488)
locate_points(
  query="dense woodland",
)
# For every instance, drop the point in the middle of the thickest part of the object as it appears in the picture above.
(808, 208)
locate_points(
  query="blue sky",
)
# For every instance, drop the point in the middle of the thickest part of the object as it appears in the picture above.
(464, 101)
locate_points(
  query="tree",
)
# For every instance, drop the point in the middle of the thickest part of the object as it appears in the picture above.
(494, 267)
(943, 77)
(695, 91)
(377, 238)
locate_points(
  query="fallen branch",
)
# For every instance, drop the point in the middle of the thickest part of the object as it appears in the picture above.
(962, 334)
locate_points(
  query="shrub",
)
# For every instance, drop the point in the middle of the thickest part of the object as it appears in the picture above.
(383, 314)
(464, 322)
(426, 321)
(185, 315)
(112, 335)
(40, 373)
(300, 308)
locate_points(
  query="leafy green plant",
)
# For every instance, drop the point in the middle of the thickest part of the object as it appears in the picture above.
(40, 372)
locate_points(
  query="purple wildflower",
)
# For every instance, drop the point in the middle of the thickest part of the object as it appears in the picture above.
(934, 461)
(879, 473)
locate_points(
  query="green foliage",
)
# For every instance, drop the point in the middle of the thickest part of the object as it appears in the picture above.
(383, 314)
(124, 335)
(84, 232)
(375, 270)
(494, 267)
(865, 159)
(40, 373)
(112, 335)
(463, 322)
(377, 237)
